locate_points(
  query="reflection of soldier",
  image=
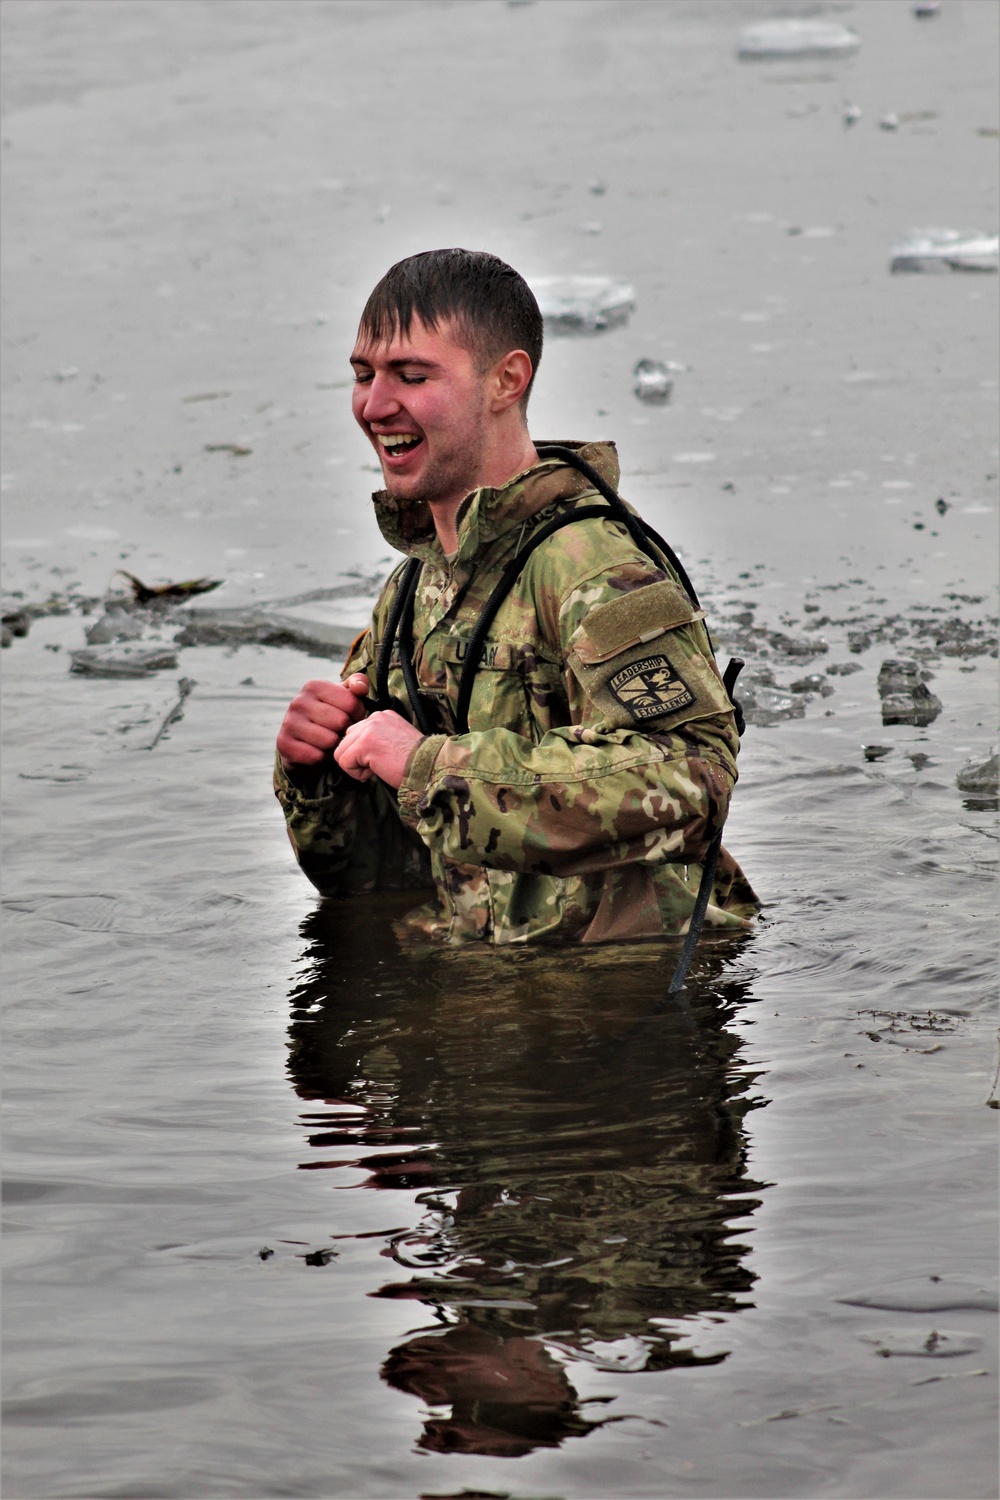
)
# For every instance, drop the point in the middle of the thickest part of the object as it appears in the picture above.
(578, 1161)
(569, 787)
(507, 1393)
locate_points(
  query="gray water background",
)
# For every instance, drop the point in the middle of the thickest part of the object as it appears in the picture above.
(197, 200)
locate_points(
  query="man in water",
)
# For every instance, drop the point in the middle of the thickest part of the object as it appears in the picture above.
(599, 751)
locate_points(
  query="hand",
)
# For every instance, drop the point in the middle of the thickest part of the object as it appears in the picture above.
(317, 718)
(381, 745)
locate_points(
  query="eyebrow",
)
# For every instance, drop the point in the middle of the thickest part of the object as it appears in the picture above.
(398, 364)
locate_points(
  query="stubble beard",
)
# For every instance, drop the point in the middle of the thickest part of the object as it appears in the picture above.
(454, 473)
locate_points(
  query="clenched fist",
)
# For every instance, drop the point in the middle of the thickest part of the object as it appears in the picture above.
(318, 718)
(380, 746)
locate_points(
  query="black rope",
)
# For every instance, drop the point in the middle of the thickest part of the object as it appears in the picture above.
(733, 670)
(405, 587)
(641, 533)
(406, 660)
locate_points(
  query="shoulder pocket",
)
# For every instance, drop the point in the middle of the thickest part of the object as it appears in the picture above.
(643, 662)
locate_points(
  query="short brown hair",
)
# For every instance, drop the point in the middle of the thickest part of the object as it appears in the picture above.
(492, 306)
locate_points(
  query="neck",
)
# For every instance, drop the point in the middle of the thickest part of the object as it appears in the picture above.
(494, 474)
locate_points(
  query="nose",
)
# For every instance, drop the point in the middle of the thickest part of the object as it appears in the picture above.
(379, 403)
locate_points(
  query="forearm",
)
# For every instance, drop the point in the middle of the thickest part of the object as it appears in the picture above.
(347, 835)
(577, 802)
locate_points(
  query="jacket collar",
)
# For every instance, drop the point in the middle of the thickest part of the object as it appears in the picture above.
(487, 513)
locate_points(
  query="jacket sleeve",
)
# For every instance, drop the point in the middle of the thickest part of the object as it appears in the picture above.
(642, 774)
(347, 835)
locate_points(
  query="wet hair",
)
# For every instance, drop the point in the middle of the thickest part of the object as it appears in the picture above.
(492, 307)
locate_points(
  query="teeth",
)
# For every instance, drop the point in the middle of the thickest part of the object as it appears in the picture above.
(396, 439)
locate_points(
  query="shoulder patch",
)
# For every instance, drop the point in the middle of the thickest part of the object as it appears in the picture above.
(649, 688)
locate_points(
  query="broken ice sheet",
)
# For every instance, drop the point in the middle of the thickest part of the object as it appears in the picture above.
(652, 382)
(320, 627)
(582, 304)
(945, 250)
(796, 36)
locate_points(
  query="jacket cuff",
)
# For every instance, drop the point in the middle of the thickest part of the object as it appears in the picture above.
(300, 788)
(417, 774)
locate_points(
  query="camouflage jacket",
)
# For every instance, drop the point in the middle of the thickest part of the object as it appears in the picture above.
(601, 750)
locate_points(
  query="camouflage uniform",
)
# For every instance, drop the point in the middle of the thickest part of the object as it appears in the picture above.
(601, 750)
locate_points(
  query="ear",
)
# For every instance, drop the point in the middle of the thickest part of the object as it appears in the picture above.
(508, 380)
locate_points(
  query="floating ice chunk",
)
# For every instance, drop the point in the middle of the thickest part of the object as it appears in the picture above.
(652, 382)
(925, 9)
(906, 698)
(900, 675)
(946, 250)
(915, 1343)
(980, 780)
(799, 646)
(315, 630)
(927, 1294)
(763, 702)
(796, 36)
(117, 625)
(851, 114)
(582, 304)
(814, 683)
(889, 122)
(122, 661)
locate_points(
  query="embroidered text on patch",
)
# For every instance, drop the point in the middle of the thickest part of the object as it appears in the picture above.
(650, 687)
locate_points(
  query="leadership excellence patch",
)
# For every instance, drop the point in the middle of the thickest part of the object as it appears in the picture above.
(651, 687)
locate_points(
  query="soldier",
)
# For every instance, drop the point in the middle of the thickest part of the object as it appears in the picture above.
(573, 794)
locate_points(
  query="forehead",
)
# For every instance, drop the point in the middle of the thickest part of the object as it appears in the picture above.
(440, 346)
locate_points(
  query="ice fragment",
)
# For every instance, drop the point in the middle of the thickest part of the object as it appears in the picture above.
(915, 1343)
(946, 250)
(796, 36)
(906, 698)
(122, 661)
(582, 304)
(981, 780)
(652, 382)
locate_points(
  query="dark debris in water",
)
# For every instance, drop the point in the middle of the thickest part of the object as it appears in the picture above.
(910, 1031)
(16, 624)
(319, 1257)
(145, 593)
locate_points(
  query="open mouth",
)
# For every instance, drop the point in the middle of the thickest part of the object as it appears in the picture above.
(397, 445)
